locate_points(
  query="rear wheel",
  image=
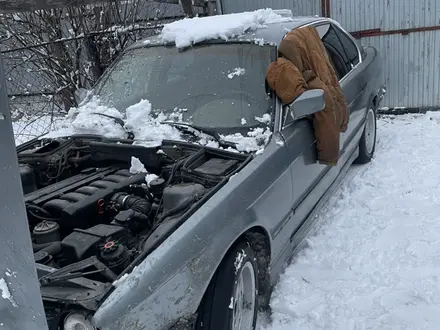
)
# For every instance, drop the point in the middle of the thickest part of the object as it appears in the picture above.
(367, 143)
(231, 301)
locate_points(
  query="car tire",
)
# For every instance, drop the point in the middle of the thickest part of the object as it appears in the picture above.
(367, 143)
(232, 295)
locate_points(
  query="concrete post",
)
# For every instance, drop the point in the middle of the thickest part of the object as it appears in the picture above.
(21, 306)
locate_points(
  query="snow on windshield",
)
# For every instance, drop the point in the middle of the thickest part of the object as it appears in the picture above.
(236, 72)
(188, 31)
(145, 122)
(88, 119)
(94, 118)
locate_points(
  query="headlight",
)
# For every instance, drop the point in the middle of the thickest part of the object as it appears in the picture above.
(77, 321)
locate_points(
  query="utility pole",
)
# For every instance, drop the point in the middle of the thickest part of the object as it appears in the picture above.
(211, 7)
(188, 8)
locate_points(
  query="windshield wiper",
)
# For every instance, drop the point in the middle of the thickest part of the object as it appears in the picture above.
(190, 128)
(130, 135)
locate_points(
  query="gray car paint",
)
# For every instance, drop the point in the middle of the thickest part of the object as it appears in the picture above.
(273, 195)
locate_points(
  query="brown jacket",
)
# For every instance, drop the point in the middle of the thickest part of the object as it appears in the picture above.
(304, 65)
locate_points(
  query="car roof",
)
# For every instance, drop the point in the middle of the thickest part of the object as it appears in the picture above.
(271, 33)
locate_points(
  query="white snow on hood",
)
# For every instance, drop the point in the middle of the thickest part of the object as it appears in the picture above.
(90, 118)
(194, 30)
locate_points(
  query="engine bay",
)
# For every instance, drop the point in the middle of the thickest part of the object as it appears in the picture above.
(91, 220)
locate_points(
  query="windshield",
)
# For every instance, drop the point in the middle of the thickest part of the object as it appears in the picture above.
(220, 86)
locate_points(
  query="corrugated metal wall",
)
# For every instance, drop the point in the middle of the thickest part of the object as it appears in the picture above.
(411, 63)
(298, 7)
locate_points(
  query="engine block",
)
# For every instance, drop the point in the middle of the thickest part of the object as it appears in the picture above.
(83, 207)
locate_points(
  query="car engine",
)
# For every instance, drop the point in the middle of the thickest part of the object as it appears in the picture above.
(89, 216)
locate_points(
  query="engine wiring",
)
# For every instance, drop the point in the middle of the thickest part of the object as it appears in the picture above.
(35, 209)
(59, 166)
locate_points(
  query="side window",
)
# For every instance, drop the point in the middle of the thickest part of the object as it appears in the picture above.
(334, 48)
(349, 47)
(322, 29)
(340, 48)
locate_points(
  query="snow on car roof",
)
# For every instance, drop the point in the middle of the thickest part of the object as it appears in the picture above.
(263, 26)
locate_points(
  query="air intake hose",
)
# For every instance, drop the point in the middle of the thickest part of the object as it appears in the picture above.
(131, 202)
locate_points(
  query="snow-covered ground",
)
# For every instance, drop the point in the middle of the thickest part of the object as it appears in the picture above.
(375, 262)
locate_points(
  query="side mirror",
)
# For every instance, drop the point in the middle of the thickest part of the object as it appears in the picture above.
(307, 104)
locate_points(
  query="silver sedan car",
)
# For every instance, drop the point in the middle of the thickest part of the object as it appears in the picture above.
(201, 245)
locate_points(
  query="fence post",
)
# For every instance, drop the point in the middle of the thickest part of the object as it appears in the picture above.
(21, 306)
(212, 7)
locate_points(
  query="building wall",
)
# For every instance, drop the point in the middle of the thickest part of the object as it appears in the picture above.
(411, 62)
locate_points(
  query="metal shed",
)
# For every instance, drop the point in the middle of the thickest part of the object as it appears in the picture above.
(406, 33)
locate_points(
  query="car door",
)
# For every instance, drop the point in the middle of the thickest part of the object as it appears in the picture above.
(311, 179)
(346, 58)
(306, 172)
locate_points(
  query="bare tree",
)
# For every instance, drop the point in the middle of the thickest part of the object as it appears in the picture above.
(72, 46)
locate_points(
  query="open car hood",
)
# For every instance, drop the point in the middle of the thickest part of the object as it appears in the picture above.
(98, 207)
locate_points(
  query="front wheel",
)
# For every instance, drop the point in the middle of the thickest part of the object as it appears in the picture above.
(231, 301)
(367, 143)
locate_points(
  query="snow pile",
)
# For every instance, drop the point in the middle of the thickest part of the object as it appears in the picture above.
(93, 118)
(231, 303)
(374, 263)
(10, 273)
(236, 73)
(6, 294)
(188, 31)
(146, 129)
(90, 118)
(255, 140)
(150, 177)
(266, 119)
(137, 167)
